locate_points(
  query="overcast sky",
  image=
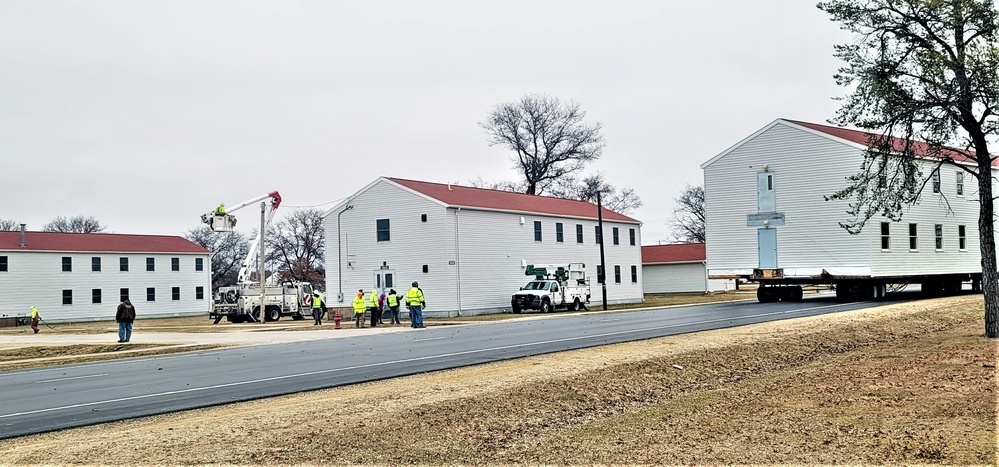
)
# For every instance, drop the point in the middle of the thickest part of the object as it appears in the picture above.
(145, 114)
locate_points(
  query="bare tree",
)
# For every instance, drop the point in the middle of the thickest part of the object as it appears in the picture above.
(502, 185)
(687, 222)
(569, 187)
(228, 252)
(922, 71)
(297, 246)
(549, 138)
(9, 224)
(75, 224)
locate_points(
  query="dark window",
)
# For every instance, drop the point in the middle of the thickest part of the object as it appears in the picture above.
(175, 293)
(558, 233)
(199, 264)
(537, 231)
(123, 264)
(95, 263)
(426, 268)
(936, 181)
(67, 264)
(150, 264)
(382, 229)
(617, 274)
(962, 237)
(579, 233)
(67, 297)
(600, 274)
(3, 264)
(597, 234)
(150, 294)
(631, 237)
(199, 293)
(885, 236)
(960, 184)
(96, 293)
(122, 295)
(175, 264)
(423, 217)
(634, 274)
(938, 236)
(617, 238)
(913, 240)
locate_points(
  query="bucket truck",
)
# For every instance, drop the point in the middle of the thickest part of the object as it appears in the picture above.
(554, 286)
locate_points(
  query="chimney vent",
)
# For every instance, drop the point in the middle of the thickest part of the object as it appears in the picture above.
(22, 235)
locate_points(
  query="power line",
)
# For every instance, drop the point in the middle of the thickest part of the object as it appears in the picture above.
(315, 205)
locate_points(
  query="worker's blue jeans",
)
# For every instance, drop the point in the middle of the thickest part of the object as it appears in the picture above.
(124, 331)
(417, 316)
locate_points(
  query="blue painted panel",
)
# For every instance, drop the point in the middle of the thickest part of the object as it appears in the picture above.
(767, 241)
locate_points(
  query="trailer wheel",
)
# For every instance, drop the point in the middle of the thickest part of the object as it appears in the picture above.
(796, 293)
(764, 294)
(546, 306)
(273, 313)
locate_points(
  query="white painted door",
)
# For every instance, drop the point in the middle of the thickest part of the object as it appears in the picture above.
(767, 240)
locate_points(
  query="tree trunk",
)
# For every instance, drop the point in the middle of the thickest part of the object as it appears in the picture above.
(986, 233)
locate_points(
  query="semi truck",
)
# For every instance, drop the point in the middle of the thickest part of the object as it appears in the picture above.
(554, 286)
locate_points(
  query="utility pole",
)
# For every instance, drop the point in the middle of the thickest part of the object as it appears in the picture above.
(263, 293)
(603, 263)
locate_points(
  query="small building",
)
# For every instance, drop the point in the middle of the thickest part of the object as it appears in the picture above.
(468, 247)
(83, 277)
(766, 208)
(678, 268)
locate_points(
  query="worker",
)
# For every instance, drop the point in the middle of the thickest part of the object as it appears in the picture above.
(35, 317)
(317, 310)
(359, 309)
(416, 302)
(220, 211)
(373, 307)
(393, 304)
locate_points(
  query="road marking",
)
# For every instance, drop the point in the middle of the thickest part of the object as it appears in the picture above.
(431, 338)
(414, 359)
(73, 377)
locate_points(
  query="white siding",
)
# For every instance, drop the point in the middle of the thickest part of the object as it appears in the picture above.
(678, 278)
(36, 279)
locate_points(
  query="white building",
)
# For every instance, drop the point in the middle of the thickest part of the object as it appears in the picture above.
(678, 268)
(765, 208)
(468, 247)
(83, 277)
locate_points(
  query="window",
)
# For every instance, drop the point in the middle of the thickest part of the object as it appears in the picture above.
(634, 274)
(617, 238)
(150, 264)
(150, 294)
(600, 274)
(537, 231)
(95, 264)
(959, 183)
(3, 264)
(95, 296)
(617, 274)
(936, 181)
(913, 241)
(938, 236)
(175, 264)
(962, 238)
(885, 236)
(67, 264)
(558, 233)
(122, 295)
(631, 237)
(199, 264)
(597, 235)
(426, 268)
(199, 293)
(123, 264)
(579, 233)
(67, 297)
(423, 217)
(382, 229)
(175, 293)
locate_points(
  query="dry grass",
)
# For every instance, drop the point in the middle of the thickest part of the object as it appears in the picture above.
(904, 383)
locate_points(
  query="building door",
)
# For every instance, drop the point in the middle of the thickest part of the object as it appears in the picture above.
(767, 241)
(765, 192)
(384, 280)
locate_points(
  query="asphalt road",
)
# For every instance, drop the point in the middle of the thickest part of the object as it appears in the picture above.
(54, 398)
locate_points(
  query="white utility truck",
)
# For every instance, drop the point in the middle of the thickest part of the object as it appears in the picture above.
(554, 286)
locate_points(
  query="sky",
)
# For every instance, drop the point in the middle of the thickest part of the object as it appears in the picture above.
(147, 114)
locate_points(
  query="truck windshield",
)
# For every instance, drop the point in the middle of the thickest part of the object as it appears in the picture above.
(536, 285)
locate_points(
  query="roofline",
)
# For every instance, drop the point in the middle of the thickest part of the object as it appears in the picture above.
(367, 187)
(546, 214)
(695, 261)
(115, 252)
(739, 144)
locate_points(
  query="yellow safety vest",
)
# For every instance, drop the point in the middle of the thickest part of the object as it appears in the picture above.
(34, 312)
(414, 297)
(358, 305)
(393, 300)
(373, 299)
(317, 302)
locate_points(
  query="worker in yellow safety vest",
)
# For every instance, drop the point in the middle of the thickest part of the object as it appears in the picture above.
(34, 319)
(317, 309)
(220, 211)
(359, 309)
(415, 302)
(393, 304)
(373, 307)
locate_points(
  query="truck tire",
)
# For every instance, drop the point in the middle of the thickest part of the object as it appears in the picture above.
(765, 294)
(516, 309)
(797, 293)
(575, 305)
(273, 313)
(546, 306)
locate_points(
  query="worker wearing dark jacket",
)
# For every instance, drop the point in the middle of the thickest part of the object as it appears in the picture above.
(125, 316)
(317, 310)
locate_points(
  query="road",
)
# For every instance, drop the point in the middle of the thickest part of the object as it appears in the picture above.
(54, 398)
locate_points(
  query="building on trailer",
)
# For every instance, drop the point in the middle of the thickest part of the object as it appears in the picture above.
(678, 268)
(83, 277)
(767, 219)
(468, 247)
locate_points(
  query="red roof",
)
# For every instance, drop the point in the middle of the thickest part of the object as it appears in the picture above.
(679, 253)
(862, 137)
(112, 243)
(455, 195)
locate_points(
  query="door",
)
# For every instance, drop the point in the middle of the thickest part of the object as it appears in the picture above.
(767, 243)
(384, 280)
(765, 192)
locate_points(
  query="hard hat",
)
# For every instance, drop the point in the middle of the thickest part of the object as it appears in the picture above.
(415, 284)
